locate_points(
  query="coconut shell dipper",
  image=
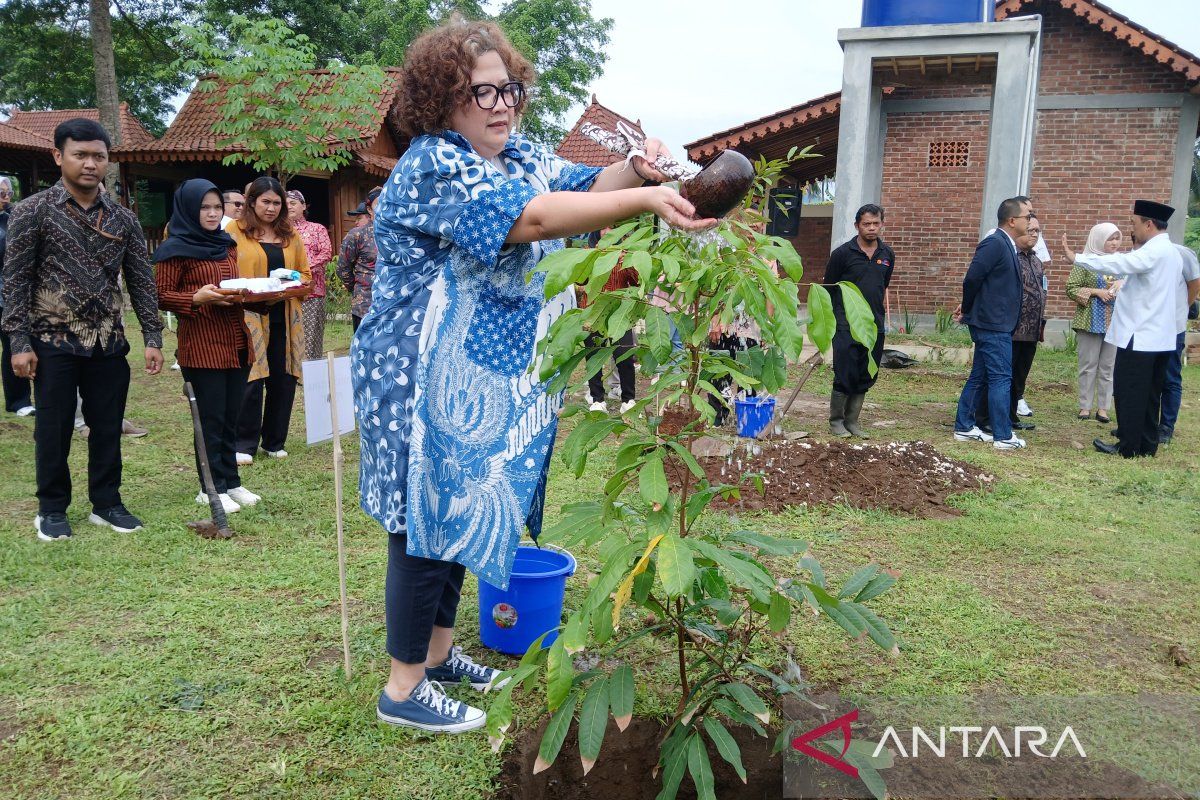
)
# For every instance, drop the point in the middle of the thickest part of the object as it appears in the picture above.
(714, 190)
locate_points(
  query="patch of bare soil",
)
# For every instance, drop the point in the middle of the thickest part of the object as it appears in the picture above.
(625, 767)
(325, 657)
(902, 477)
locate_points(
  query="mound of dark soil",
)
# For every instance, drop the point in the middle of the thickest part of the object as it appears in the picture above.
(624, 769)
(903, 477)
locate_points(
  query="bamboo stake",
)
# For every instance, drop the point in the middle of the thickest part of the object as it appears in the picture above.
(337, 494)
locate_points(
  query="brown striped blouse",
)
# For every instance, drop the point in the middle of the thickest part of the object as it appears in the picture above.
(210, 336)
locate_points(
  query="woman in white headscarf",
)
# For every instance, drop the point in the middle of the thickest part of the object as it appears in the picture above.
(1094, 295)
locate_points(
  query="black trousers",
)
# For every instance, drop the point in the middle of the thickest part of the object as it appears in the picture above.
(219, 397)
(626, 372)
(850, 365)
(1138, 380)
(103, 384)
(418, 594)
(355, 321)
(269, 422)
(1022, 362)
(17, 391)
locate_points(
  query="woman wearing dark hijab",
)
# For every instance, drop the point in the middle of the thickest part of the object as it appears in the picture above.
(214, 351)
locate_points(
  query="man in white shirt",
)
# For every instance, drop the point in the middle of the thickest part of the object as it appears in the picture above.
(1143, 327)
(235, 204)
(1186, 291)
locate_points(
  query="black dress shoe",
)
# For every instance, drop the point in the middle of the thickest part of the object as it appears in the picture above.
(1116, 433)
(1105, 447)
(1023, 426)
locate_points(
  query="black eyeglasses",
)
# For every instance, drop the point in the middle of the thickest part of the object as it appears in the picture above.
(488, 94)
(235, 203)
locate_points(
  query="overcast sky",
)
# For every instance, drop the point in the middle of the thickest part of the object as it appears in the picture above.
(724, 63)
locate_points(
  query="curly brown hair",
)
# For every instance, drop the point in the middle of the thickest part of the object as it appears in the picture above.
(437, 73)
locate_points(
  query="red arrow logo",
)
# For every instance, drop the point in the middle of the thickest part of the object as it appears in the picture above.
(842, 723)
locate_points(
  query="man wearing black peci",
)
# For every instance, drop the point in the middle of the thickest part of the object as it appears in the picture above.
(1143, 326)
(867, 262)
(67, 248)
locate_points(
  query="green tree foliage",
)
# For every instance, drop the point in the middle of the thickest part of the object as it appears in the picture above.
(284, 117)
(46, 56)
(45, 47)
(567, 46)
(561, 37)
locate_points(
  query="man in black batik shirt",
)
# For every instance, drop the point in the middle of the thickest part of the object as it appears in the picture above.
(67, 248)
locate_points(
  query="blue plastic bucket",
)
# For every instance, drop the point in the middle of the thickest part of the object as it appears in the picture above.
(754, 414)
(511, 619)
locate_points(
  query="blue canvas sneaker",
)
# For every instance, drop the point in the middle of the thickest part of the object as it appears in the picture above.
(460, 665)
(429, 709)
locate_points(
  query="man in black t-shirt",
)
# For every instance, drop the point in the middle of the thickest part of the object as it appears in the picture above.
(867, 262)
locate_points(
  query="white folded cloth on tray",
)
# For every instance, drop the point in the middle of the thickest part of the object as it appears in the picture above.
(255, 285)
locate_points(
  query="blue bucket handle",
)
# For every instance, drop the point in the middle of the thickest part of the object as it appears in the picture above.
(563, 550)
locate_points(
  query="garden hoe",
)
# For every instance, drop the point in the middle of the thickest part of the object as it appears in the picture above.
(218, 526)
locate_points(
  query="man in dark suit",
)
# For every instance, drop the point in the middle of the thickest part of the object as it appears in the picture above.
(991, 306)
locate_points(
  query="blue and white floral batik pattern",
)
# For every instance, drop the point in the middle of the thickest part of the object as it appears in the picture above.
(456, 431)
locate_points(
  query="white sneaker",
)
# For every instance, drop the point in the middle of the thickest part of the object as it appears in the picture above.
(243, 496)
(244, 459)
(627, 406)
(973, 435)
(227, 502)
(1023, 409)
(276, 453)
(175, 366)
(1009, 444)
(25, 411)
(598, 406)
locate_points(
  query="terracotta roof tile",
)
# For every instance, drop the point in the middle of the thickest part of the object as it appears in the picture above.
(191, 135)
(43, 123)
(581, 150)
(12, 136)
(823, 106)
(1122, 28)
(376, 164)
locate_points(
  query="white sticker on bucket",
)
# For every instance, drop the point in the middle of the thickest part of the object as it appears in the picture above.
(504, 615)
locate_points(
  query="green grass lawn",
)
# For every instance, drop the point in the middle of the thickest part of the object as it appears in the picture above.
(162, 665)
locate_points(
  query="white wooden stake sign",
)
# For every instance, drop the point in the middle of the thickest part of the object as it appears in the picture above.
(329, 413)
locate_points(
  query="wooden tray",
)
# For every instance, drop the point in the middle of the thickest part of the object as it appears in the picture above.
(301, 291)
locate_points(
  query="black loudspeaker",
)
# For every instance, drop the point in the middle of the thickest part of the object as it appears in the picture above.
(784, 213)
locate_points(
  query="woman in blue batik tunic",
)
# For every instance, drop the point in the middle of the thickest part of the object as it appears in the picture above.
(456, 429)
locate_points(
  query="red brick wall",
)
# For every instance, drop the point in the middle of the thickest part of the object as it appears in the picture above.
(812, 243)
(1078, 58)
(932, 213)
(1089, 166)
